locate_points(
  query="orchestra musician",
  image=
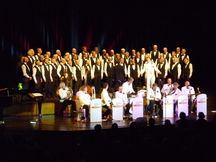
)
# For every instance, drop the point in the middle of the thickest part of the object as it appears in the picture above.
(154, 96)
(106, 102)
(175, 92)
(166, 87)
(85, 100)
(189, 91)
(128, 86)
(65, 94)
(120, 94)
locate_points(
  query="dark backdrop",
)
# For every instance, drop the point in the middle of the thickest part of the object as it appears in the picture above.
(109, 24)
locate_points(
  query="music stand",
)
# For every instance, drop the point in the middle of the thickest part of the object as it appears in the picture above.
(38, 100)
(167, 101)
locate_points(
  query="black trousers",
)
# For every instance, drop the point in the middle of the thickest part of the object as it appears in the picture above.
(38, 86)
(152, 102)
(97, 84)
(106, 112)
(109, 80)
(25, 83)
(77, 85)
(89, 81)
(86, 107)
(127, 109)
(66, 103)
(175, 78)
(54, 86)
(185, 78)
(47, 87)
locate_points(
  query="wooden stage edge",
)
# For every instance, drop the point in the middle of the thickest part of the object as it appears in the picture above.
(67, 123)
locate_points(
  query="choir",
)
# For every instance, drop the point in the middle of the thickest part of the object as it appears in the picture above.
(37, 71)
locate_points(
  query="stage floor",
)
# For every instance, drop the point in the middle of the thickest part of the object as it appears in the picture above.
(67, 123)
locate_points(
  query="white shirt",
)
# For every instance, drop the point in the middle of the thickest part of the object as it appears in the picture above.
(63, 92)
(59, 68)
(43, 71)
(190, 68)
(105, 66)
(187, 90)
(151, 94)
(178, 68)
(154, 52)
(166, 68)
(84, 71)
(166, 88)
(74, 71)
(123, 96)
(24, 70)
(99, 68)
(133, 66)
(106, 100)
(183, 55)
(150, 68)
(85, 99)
(175, 93)
(143, 56)
(127, 88)
(34, 71)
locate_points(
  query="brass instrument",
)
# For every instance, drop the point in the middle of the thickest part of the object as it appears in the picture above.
(69, 93)
(155, 98)
(170, 92)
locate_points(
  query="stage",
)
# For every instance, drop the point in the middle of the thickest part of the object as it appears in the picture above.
(60, 138)
(23, 116)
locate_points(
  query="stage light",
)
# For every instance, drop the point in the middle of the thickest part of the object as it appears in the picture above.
(213, 111)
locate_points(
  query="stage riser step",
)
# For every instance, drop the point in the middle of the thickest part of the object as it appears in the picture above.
(29, 109)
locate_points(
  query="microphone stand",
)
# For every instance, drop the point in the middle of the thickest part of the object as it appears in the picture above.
(165, 107)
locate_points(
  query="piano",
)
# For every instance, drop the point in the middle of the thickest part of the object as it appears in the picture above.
(6, 100)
